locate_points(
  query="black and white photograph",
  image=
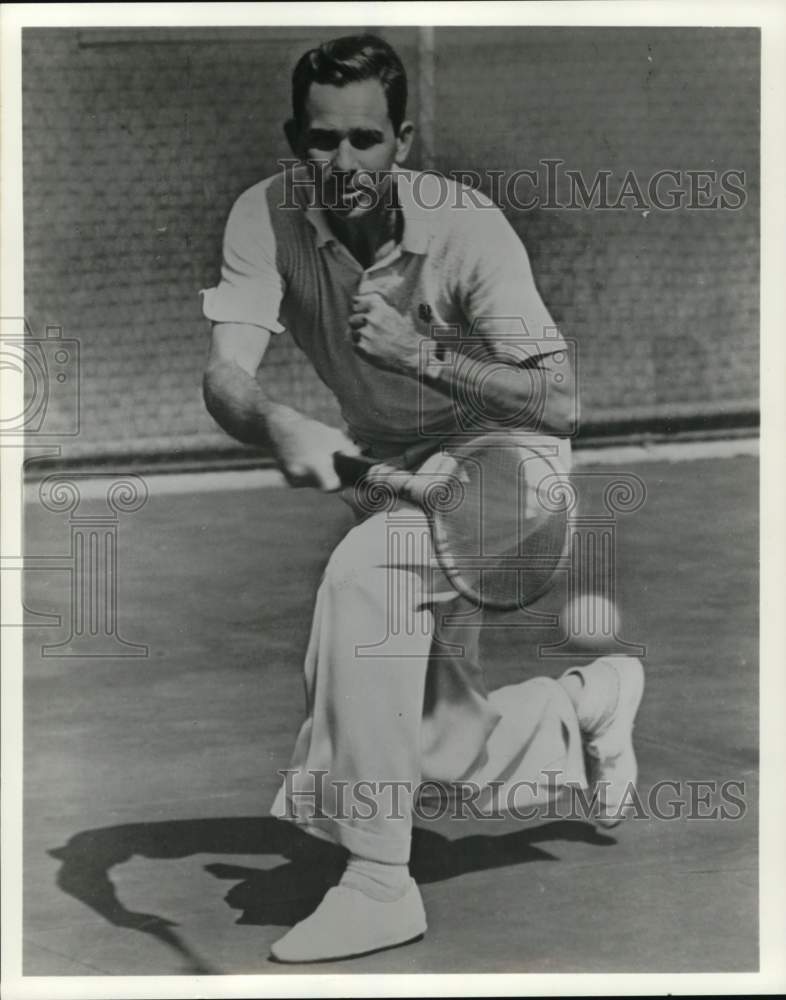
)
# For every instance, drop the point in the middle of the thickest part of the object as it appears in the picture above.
(384, 542)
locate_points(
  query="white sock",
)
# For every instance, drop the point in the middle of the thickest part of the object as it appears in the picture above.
(573, 683)
(380, 881)
(594, 691)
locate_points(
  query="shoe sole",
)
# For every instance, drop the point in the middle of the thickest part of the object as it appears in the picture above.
(340, 958)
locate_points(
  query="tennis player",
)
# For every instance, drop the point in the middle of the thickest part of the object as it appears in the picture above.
(367, 265)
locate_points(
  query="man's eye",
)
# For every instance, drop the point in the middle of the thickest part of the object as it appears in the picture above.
(322, 139)
(362, 139)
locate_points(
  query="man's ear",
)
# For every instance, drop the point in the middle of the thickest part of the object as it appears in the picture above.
(292, 132)
(404, 139)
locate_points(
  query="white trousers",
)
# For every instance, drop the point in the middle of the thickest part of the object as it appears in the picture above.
(395, 696)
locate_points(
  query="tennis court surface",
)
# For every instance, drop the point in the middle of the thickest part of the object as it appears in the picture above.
(148, 849)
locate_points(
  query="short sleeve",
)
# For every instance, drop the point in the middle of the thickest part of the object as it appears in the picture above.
(251, 287)
(497, 290)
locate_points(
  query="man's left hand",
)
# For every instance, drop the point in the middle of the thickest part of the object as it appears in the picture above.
(382, 336)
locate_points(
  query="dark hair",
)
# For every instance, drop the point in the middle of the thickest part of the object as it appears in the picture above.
(348, 60)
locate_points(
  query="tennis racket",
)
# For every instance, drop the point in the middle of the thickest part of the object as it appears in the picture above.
(496, 508)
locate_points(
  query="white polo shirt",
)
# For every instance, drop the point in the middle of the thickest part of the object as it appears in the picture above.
(460, 273)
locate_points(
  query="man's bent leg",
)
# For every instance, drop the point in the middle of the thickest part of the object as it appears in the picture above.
(532, 746)
(357, 760)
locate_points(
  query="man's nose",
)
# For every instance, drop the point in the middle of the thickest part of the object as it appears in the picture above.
(344, 159)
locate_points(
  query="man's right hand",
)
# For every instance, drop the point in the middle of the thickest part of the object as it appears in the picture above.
(304, 449)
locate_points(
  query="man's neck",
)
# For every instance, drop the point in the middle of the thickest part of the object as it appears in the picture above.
(366, 236)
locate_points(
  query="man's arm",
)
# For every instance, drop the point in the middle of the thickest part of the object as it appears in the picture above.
(236, 400)
(537, 391)
(515, 374)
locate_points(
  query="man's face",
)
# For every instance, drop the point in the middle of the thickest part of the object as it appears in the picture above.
(348, 135)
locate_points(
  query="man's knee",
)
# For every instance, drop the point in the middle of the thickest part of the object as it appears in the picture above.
(385, 543)
(357, 555)
(344, 568)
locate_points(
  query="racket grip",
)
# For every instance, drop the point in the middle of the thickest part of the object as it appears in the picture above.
(351, 468)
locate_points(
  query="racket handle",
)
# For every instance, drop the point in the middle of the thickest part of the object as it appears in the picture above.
(351, 468)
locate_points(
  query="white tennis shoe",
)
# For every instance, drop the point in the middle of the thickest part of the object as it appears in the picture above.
(607, 733)
(348, 923)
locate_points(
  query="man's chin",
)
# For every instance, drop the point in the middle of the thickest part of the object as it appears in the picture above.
(350, 208)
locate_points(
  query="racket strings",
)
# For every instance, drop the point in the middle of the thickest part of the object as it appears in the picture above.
(501, 539)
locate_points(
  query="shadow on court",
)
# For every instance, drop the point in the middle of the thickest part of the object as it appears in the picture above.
(289, 892)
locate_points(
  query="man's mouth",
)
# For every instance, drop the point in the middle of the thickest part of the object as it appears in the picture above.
(349, 194)
(355, 198)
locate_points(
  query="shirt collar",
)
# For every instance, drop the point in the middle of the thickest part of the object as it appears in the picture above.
(418, 217)
(418, 224)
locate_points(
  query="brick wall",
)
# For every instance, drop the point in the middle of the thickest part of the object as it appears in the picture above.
(663, 304)
(136, 144)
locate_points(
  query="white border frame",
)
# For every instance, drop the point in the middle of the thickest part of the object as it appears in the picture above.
(771, 18)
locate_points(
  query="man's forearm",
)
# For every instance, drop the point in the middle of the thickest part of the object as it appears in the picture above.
(502, 391)
(239, 405)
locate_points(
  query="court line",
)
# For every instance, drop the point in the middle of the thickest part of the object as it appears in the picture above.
(169, 483)
(69, 958)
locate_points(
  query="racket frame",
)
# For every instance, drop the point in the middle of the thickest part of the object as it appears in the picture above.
(352, 469)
